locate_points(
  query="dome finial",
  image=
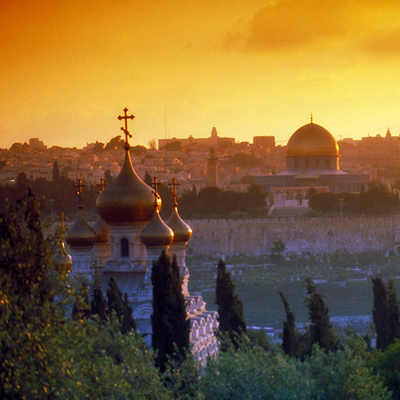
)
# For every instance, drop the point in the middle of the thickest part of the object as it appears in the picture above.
(311, 117)
(62, 219)
(80, 185)
(102, 185)
(155, 185)
(174, 184)
(125, 130)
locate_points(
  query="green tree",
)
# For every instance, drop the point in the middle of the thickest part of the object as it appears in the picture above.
(393, 312)
(115, 143)
(320, 330)
(81, 307)
(119, 305)
(98, 305)
(276, 253)
(385, 313)
(380, 313)
(291, 335)
(387, 364)
(230, 308)
(128, 322)
(171, 328)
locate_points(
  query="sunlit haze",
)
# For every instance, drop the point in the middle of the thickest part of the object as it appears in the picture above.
(68, 68)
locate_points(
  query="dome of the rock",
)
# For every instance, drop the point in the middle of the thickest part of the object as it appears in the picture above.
(312, 140)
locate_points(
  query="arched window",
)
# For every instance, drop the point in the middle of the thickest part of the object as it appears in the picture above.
(124, 247)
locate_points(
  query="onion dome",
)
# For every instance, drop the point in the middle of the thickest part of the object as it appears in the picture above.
(182, 231)
(80, 234)
(62, 259)
(157, 233)
(101, 229)
(312, 140)
(128, 199)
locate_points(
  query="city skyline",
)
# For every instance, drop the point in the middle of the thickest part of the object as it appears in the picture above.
(182, 67)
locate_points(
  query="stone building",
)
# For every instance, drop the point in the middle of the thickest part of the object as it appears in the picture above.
(312, 161)
(123, 243)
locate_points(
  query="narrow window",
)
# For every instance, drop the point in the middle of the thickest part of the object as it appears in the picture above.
(124, 247)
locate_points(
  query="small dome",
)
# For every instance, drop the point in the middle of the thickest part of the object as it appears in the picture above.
(312, 140)
(62, 259)
(128, 199)
(157, 233)
(80, 234)
(182, 231)
(101, 229)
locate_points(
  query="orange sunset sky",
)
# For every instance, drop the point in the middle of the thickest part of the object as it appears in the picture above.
(255, 67)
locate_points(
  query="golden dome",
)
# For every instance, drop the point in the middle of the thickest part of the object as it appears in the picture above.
(312, 140)
(80, 234)
(182, 231)
(128, 199)
(62, 259)
(101, 230)
(156, 233)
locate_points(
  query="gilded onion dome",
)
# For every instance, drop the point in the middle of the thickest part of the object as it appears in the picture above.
(62, 259)
(128, 199)
(80, 234)
(101, 229)
(157, 233)
(182, 231)
(312, 140)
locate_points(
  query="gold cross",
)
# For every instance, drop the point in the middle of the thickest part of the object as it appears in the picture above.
(126, 132)
(155, 185)
(80, 185)
(174, 184)
(62, 218)
(102, 185)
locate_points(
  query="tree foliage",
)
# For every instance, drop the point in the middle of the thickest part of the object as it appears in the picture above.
(385, 313)
(377, 200)
(230, 308)
(171, 328)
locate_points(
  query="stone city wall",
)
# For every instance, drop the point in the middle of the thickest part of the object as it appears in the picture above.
(316, 235)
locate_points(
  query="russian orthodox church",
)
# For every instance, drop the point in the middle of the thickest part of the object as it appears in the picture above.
(127, 237)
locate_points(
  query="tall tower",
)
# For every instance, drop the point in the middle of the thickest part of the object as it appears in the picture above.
(212, 167)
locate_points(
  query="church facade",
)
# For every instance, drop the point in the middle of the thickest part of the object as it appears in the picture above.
(125, 240)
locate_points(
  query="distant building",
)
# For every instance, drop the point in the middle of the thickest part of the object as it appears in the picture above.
(312, 160)
(35, 143)
(214, 140)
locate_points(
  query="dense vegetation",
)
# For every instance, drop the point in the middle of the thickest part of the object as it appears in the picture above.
(45, 354)
(378, 199)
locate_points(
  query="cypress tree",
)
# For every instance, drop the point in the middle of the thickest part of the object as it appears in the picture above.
(291, 335)
(121, 307)
(393, 313)
(320, 330)
(385, 313)
(128, 322)
(171, 328)
(98, 305)
(380, 313)
(230, 308)
(81, 307)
